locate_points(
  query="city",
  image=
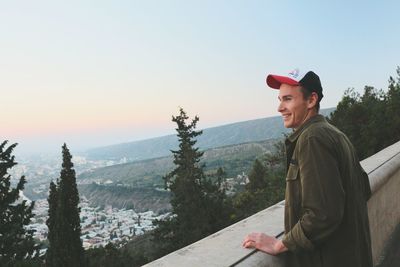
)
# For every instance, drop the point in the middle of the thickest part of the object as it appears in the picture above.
(99, 227)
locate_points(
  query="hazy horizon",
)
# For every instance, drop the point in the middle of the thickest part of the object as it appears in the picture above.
(81, 142)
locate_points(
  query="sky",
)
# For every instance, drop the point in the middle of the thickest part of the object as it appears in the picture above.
(94, 73)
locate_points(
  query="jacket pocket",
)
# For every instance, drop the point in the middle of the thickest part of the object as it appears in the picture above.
(293, 193)
(293, 172)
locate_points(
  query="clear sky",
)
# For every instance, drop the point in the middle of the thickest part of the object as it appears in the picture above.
(94, 73)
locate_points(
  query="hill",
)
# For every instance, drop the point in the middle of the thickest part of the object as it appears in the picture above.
(122, 197)
(225, 135)
(235, 159)
(139, 184)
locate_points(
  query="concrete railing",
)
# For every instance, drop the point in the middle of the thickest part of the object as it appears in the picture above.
(383, 170)
(224, 248)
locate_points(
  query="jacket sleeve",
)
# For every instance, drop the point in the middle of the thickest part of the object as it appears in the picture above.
(323, 196)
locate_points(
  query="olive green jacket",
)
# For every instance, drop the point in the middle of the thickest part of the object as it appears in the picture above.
(326, 216)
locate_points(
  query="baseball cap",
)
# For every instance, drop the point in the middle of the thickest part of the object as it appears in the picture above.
(308, 80)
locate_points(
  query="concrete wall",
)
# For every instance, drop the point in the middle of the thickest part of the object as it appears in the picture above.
(224, 248)
(383, 170)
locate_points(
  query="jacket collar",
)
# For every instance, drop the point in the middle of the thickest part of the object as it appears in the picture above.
(295, 135)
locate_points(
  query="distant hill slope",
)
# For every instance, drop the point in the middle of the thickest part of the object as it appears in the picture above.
(136, 184)
(139, 199)
(230, 134)
(235, 159)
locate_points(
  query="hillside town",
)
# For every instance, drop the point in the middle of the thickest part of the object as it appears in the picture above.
(99, 227)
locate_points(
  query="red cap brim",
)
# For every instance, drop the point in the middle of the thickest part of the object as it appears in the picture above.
(275, 81)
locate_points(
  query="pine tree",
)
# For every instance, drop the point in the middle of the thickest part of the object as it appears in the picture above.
(197, 202)
(16, 242)
(185, 183)
(219, 207)
(221, 174)
(65, 247)
(266, 184)
(257, 177)
(276, 171)
(392, 109)
(370, 120)
(255, 197)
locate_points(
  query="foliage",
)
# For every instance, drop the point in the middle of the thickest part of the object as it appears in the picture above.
(257, 177)
(266, 184)
(110, 255)
(65, 245)
(198, 204)
(371, 121)
(392, 109)
(16, 242)
(140, 250)
(51, 223)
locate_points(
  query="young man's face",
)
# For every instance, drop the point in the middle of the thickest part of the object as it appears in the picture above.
(294, 108)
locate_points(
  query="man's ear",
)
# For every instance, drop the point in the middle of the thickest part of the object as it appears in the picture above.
(312, 100)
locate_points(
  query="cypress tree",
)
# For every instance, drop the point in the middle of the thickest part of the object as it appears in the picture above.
(51, 259)
(16, 242)
(66, 247)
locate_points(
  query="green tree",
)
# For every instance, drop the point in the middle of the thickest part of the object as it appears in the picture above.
(219, 208)
(266, 184)
(255, 197)
(110, 255)
(65, 247)
(257, 177)
(16, 242)
(51, 260)
(370, 120)
(392, 109)
(197, 203)
(276, 172)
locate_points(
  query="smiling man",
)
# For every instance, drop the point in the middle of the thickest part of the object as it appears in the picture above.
(326, 219)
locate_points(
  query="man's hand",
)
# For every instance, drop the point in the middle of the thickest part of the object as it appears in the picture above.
(263, 242)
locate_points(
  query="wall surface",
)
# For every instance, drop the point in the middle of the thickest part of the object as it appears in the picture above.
(224, 248)
(383, 170)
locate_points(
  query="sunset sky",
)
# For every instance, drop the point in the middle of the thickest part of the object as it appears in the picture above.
(93, 73)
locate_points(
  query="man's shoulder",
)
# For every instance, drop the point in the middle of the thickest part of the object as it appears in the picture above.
(321, 130)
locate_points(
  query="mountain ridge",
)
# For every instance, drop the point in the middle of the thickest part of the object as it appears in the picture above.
(218, 136)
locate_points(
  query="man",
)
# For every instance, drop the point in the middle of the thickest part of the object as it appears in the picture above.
(326, 220)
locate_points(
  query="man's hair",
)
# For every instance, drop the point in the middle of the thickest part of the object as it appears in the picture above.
(307, 93)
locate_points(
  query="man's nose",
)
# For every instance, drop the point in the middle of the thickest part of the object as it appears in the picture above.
(280, 107)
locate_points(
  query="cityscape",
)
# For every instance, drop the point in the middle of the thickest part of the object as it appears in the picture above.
(99, 227)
